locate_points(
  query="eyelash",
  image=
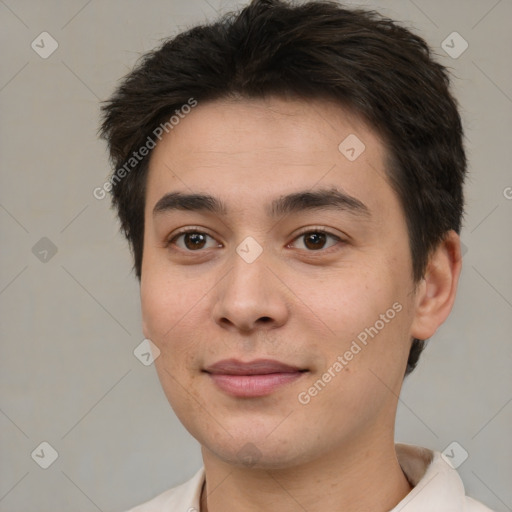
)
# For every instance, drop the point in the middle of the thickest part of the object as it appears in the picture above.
(305, 232)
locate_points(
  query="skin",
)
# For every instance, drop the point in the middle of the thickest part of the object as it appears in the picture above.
(301, 306)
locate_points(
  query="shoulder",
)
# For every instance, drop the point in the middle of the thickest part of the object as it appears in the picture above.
(184, 497)
(436, 483)
(475, 506)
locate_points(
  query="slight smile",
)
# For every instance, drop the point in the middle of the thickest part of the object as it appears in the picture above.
(255, 378)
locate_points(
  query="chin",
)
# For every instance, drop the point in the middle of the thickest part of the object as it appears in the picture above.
(250, 452)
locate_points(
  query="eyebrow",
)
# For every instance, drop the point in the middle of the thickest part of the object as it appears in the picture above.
(322, 199)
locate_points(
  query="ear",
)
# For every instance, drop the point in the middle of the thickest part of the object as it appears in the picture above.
(436, 292)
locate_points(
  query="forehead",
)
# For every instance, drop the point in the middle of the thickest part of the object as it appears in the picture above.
(251, 151)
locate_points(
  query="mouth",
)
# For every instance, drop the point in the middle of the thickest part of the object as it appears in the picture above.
(256, 378)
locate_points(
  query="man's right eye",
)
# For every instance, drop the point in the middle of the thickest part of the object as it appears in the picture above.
(192, 240)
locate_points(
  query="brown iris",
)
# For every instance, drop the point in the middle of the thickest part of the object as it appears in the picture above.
(314, 240)
(194, 240)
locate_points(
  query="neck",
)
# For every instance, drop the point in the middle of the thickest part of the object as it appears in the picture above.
(357, 477)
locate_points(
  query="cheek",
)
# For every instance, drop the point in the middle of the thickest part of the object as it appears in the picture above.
(175, 310)
(372, 355)
(166, 308)
(170, 322)
(166, 299)
(366, 314)
(348, 299)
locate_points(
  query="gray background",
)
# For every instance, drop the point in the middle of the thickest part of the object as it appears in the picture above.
(70, 321)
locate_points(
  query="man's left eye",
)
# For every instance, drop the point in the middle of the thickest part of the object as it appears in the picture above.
(317, 240)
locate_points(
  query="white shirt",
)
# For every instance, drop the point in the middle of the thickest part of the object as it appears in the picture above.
(437, 487)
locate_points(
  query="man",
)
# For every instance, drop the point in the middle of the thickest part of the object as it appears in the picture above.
(290, 181)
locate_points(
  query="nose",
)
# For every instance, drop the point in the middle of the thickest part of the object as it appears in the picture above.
(250, 297)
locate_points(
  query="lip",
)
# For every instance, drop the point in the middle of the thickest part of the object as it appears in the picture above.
(255, 378)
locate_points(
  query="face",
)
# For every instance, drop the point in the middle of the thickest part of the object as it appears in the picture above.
(284, 314)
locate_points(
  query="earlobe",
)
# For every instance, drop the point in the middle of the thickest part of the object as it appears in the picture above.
(436, 293)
